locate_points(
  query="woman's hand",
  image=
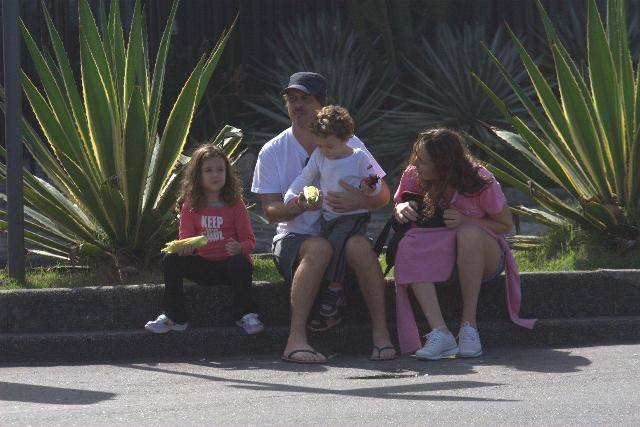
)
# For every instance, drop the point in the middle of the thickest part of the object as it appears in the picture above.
(232, 247)
(405, 212)
(453, 218)
(186, 250)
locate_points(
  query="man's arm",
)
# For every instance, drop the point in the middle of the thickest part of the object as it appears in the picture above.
(275, 210)
(352, 198)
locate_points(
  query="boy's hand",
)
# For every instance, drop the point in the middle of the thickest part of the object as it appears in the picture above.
(186, 250)
(305, 205)
(233, 248)
(368, 190)
(371, 180)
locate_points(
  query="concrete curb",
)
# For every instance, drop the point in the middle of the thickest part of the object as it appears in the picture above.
(105, 323)
(213, 342)
(544, 295)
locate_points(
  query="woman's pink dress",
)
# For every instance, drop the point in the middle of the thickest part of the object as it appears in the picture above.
(429, 255)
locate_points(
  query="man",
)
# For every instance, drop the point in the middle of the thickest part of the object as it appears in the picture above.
(302, 256)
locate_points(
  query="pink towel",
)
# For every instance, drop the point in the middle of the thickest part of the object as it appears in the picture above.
(437, 264)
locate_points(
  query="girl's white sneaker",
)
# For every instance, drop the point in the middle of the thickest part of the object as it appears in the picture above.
(250, 323)
(438, 345)
(163, 324)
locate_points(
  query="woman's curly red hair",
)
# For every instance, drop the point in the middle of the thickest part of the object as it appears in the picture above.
(455, 166)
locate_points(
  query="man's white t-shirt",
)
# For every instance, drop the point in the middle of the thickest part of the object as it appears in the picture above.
(350, 169)
(280, 162)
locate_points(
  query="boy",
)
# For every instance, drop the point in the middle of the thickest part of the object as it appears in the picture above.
(334, 161)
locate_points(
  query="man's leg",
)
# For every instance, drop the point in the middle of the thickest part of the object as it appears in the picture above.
(314, 256)
(364, 262)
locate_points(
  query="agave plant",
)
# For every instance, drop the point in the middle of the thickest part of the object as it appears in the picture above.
(586, 141)
(325, 45)
(111, 170)
(445, 94)
(572, 33)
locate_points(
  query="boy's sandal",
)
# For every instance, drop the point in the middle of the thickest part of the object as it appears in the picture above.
(289, 358)
(322, 324)
(379, 350)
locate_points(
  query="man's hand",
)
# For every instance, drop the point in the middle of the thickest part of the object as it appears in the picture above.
(346, 201)
(405, 212)
(453, 218)
(232, 247)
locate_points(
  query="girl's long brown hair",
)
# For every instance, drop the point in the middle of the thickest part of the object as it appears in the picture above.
(191, 188)
(455, 166)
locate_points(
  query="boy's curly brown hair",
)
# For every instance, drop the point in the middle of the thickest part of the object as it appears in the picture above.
(333, 120)
(455, 166)
(191, 188)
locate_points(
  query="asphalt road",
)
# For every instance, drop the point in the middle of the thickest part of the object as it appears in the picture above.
(589, 385)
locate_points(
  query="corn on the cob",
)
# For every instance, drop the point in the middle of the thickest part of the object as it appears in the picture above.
(311, 194)
(175, 245)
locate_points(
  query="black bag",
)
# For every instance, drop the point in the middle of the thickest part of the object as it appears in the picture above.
(399, 229)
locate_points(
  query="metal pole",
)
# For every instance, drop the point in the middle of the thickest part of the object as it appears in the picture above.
(13, 137)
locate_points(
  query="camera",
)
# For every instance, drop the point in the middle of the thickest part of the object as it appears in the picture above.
(437, 220)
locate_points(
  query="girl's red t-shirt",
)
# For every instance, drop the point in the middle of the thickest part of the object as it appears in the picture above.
(220, 224)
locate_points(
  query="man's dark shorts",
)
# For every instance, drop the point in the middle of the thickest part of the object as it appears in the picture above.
(285, 251)
(285, 255)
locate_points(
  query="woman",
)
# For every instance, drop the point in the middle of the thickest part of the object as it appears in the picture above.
(476, 217)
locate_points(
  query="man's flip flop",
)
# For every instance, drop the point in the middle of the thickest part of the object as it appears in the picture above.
(380, 350)
(289, 358)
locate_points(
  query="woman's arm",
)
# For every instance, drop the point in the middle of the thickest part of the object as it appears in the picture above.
(499, 223)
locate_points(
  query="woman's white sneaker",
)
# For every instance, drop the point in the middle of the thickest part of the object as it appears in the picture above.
(469, 341)
(438, 345)
(163, 324)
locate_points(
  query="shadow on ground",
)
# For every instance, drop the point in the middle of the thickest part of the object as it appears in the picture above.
(532, 360)
(15, 392)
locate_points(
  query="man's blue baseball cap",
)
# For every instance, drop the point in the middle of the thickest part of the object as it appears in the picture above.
(311, 83)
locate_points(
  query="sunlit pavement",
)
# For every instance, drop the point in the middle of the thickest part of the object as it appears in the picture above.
(588, 385)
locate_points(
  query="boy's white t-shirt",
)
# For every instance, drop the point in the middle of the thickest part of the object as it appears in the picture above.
(350, 169)
(280, 162)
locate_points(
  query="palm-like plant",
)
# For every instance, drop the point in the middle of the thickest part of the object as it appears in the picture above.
(443, 93)
(111, 171)
(327, 46)
(586, 140)
(572, 33)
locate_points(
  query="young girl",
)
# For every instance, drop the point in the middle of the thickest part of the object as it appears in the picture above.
(334, 161)
(476, 217)
(211, 205)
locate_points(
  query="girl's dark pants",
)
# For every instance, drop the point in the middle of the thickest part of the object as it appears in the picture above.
(236, 271)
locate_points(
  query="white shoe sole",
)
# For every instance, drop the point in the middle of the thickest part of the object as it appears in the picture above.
(239, 324)
(178, 328)
(476, 354)
(449, 353)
